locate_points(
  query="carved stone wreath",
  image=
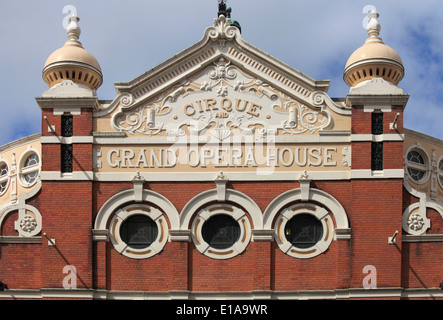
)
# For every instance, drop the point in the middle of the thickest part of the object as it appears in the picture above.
(28, 223)
(416, 222)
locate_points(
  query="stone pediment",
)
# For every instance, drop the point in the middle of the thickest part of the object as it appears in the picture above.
(222, 82)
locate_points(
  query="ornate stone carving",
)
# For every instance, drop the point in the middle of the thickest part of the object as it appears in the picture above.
(223, 98)
(222, 29)
(416, 222)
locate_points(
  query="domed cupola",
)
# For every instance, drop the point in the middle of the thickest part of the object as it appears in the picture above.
(73, 62)
(374, 59)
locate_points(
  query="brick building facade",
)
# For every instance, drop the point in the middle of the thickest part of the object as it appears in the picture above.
(222, 173)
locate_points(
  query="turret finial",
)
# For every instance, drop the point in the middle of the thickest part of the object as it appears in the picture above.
(373, 26)
(73, 30)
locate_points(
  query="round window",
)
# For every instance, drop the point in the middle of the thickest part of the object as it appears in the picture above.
(221, 231)
(138, 231)
(303, 231)
(416, 165)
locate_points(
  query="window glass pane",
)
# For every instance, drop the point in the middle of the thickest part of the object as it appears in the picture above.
(416, 157)
(30, 177)
(32, 160)
(3, 170)
(377, 123)
(377, 156)
(416, 175)
(221, 231)
(138, 231)
(303, 231)
(67, 157)
(67, 126)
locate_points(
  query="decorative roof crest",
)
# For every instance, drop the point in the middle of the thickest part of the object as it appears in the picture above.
(223, 29)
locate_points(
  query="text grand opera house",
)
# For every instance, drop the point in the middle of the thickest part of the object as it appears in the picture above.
(222, 173)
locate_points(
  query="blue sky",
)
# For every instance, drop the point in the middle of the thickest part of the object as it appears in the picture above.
(130, 37)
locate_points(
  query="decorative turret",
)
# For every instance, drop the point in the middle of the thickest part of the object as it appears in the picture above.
(374, 59)
(73, 62)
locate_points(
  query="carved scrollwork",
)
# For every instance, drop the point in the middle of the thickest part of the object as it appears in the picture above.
(222, 29)
(140, 121)
(126, 100)
(303, 119)
(227, 99)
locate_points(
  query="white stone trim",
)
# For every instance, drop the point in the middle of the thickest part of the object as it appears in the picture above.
(113, 203)
(377, 138)
(418, 210)
(315, 195)
(382, 174)
(304, 208)
(71, 176)
(24, 210)
(325, 137)
(66, 140)
(221, 254)
(69, 105)
(377, 101)
(19, 239)
(209, 196)
(17, 143)
(102, 294)
(138, 209)
(257, 175)
(422, 238)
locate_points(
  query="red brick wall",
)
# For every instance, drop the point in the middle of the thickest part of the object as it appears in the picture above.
(340, 266)
(376, 213)
(82, 124)
(21, 265)
(361, 121)
(422, 264)
(66, 209)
